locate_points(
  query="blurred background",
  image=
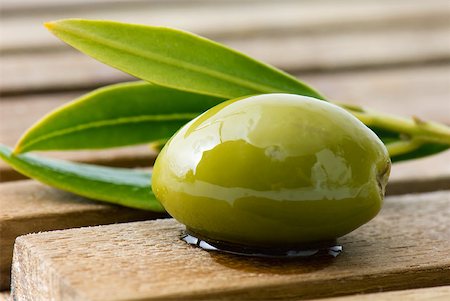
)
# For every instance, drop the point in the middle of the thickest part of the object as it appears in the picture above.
(389, 55)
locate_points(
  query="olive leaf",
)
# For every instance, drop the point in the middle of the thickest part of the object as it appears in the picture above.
(117, 115)
(120, 186)
(184, 61)
(177, 59)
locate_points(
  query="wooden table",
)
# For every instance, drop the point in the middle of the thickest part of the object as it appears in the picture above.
(388, 55)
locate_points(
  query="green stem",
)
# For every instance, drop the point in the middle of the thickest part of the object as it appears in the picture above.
(402, 147)
(413, 132)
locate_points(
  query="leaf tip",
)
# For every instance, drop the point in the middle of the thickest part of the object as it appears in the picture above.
(50, 25)
(18, 149)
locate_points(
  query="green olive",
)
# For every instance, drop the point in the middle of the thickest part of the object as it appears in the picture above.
(271, 170)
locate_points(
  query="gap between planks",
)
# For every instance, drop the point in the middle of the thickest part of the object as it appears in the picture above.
(405, 247)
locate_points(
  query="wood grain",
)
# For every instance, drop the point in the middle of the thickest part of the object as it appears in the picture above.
(31, 6)
(419, 91)
(9, 6)
(23, 31)
(295, 53)
(405, 247)
(29, 207)
(309, 36)
(441, 293)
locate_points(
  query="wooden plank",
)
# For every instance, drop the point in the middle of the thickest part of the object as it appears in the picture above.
(29, 207)
(47, 72)
(5, 296)
(421, 175)
(405, 247)
(418, 91)
(349, 48)
(441, 293)
(9, 6)
(295, 53)
(23, 31)
(18, 113)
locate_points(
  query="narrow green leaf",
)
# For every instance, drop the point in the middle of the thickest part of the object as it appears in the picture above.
(176, 59)
(117, 115)
(420, 151)
(120, 186)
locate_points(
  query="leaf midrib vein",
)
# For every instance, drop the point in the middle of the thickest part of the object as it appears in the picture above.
(109, 122)
(178, 63)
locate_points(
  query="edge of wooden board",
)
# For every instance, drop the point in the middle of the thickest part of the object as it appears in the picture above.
(151, 262)
(439, 293)
(30, 207)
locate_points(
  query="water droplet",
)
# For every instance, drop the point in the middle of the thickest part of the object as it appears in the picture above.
(330, 248)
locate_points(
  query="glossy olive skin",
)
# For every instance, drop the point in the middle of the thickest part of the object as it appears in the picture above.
(273, 169)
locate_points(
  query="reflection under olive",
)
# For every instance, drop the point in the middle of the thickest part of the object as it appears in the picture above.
(272, 170)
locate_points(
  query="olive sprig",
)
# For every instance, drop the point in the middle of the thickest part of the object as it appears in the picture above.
(405, 138)
(184, 75)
